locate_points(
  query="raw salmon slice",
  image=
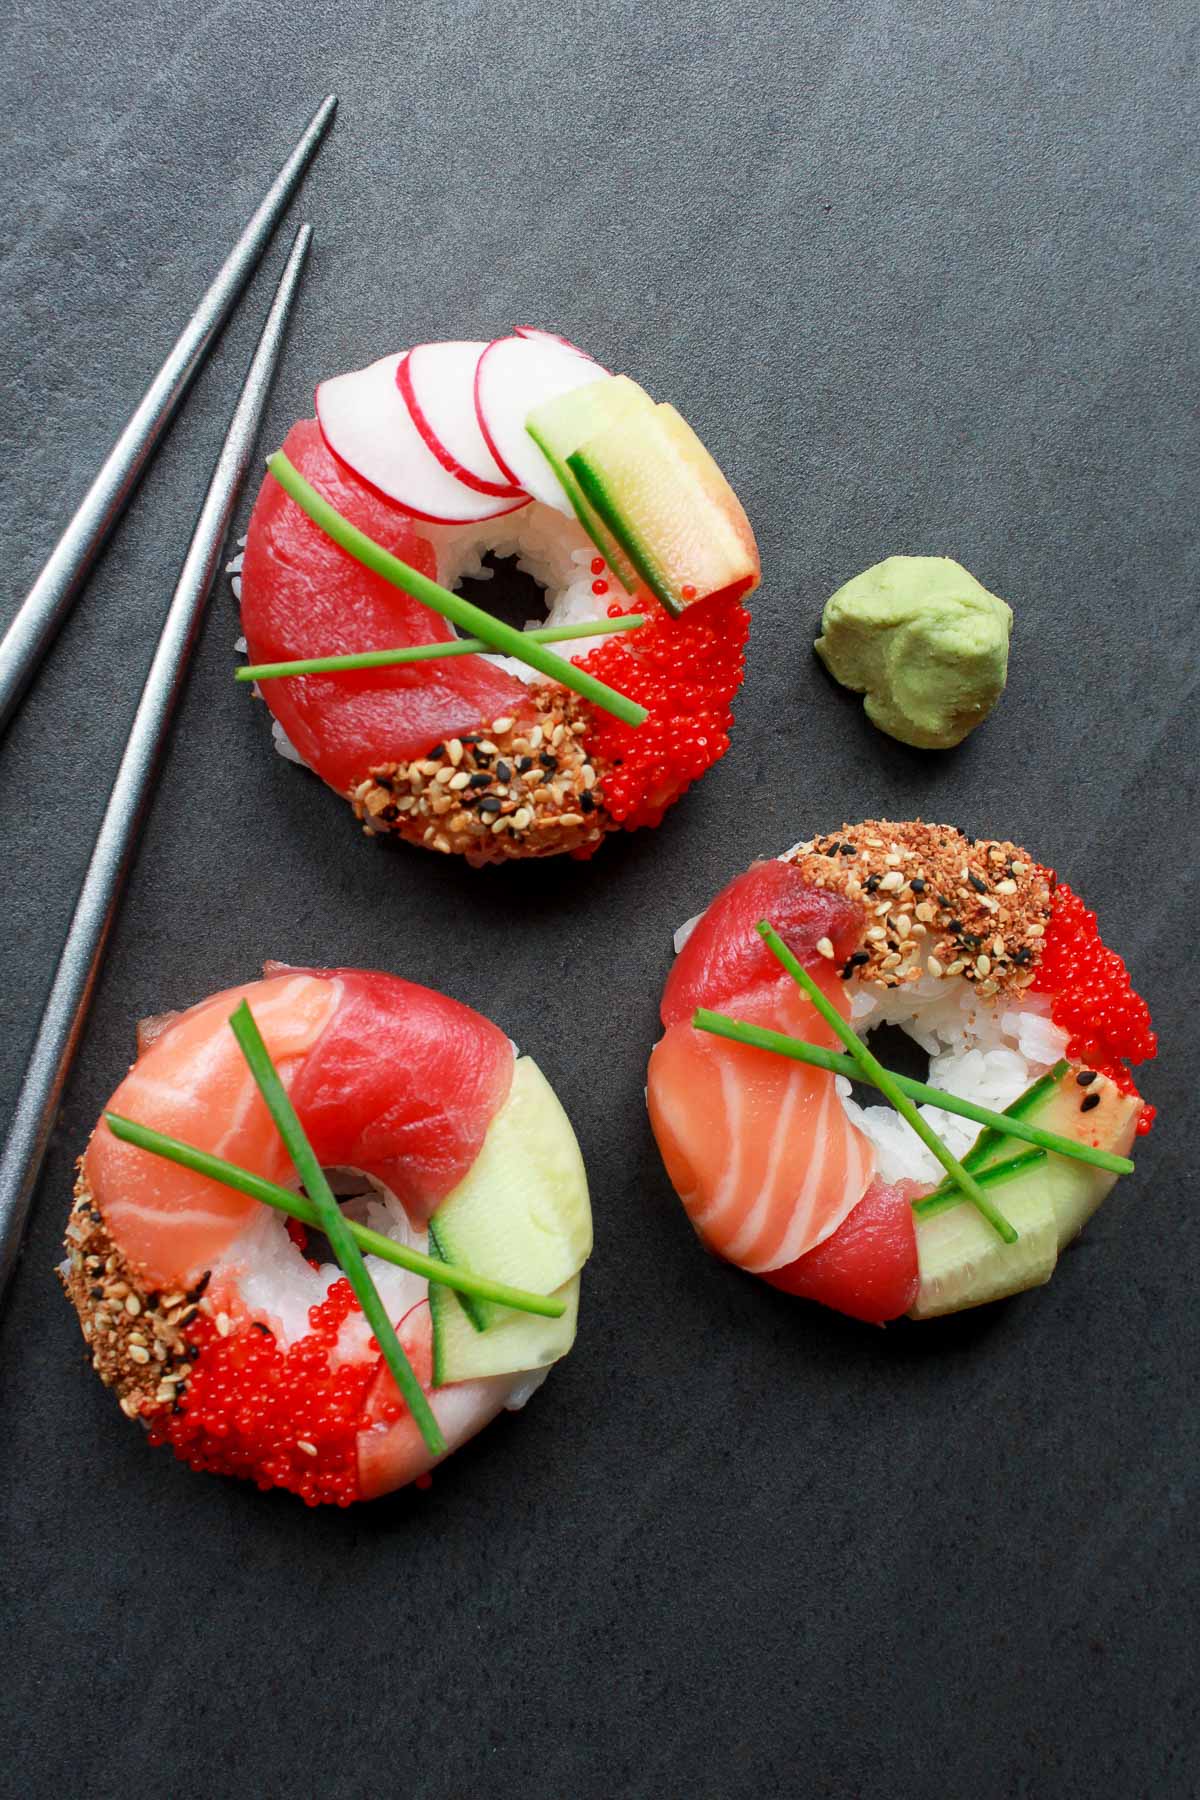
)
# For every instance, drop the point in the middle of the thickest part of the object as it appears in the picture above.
(757, 1146)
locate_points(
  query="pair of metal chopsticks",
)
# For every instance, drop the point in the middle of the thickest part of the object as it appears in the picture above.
(46, 607)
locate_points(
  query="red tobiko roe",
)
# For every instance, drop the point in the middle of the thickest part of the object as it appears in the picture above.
(250, 1406)
(1092, 996)
(686, 671)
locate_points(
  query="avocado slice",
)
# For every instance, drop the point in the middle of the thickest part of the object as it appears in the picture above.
(666, 502)
(559, 426)
(520, 1215)
(962, 1262)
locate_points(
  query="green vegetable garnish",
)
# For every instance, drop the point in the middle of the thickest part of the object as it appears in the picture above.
(447, 1274)
(416, 653)
(873, 1070)
(460, 612)
(332, 1223)
(721, 1025)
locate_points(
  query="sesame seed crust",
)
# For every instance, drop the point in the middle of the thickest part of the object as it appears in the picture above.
(134, 1334)
(935, 903)
(517, 787)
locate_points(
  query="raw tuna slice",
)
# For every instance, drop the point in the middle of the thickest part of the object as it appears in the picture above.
(303, 596)
(403, 1083)
(724, 956)
(868, 1268)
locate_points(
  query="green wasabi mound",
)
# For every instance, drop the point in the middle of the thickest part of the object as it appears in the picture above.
(924, 642)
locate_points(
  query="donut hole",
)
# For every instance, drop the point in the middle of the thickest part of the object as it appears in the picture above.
(897, 1051)
(507, 592)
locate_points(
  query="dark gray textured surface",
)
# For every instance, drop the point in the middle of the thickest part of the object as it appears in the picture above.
(921, 276)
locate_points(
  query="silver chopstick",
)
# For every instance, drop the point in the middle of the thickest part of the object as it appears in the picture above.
(56, 589)
(112, 857)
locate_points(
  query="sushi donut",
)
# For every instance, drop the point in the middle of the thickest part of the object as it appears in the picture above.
(445, 454)
(212, 1317)
(995, 969)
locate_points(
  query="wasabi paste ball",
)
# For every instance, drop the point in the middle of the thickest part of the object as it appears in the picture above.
(925, 643)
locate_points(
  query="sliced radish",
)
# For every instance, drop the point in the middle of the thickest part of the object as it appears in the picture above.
(536, 335)
(515, 374)
(367, 426)
(438, 385)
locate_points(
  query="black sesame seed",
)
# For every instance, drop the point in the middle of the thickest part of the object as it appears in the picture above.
(503, 772)
(833, 849)
(1086, 1077)
(848, 850)
(471, 738)
(547, 761)
(490, 803)
(1023, 955)
(954, 925)
(478, 781)
(871, 883)
(1090, 1101)
(979, 886)
(586, 803)
(390, 813)
(917, 885)
(97, 1293)
(859, 958)
(524, 763)
(438, 750)
(97, 1217)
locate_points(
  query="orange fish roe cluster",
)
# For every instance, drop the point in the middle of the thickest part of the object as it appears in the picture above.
(1093, 999)
(282, 1418)
(686, 671)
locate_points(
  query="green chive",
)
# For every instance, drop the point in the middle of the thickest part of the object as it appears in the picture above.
(946, 1197)
(447, 1274)
(333, 1224)
(418, 653)
(761, 1039)
(875, 1072)
(460, 612)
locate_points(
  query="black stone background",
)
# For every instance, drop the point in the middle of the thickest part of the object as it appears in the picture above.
(922, 276)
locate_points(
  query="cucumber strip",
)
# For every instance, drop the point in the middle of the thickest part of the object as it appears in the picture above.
(943, 1198)
(595, 492)
(470, 1305)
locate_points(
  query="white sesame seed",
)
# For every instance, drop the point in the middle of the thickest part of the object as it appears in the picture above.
(825, 948)
(308, 1449)
(133, 1306)
(934, 966)
(983, 965)
(223, 1325)
(454, 751)
(138, 1354)
(500, 726)
(891, 882)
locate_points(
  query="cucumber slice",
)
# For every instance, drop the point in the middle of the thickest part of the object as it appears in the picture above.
(1056, 1102)
(961, 1260)
(666, 502)
(516, 1341)
(521, 1214)
(559, 426)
